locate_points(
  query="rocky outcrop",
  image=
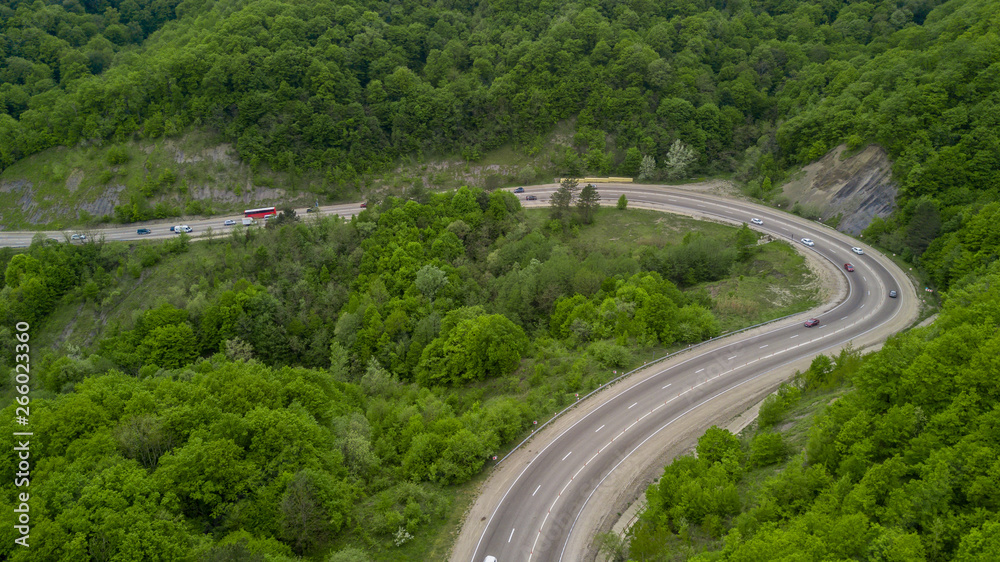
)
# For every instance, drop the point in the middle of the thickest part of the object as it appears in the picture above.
(858, 188)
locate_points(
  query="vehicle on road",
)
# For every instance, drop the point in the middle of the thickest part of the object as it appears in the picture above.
(812, 322)
(260, 213)
(312, 210)
(229, 222)
(892, 294)
(247, 221)
(531, 198)
(808, 242)
(519, 190)
(182, 228)
(143, 231)
(364, 205)
(848, 267)
(756, 221)
(79, 237)
(490, 559)
(858, 251)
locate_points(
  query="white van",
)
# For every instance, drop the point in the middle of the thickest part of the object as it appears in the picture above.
(182, 228)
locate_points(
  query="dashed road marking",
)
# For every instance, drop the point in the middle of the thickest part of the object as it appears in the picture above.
(632, 406)
(567, 455)
(598, 429)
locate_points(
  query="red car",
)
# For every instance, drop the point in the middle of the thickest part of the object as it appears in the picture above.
(848, 267)
(812, 322)
(364, 205)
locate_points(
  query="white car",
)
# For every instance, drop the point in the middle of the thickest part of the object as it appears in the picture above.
(858, 251)
(230, 222)
(808, 242)
(79, 237)
(756, 221)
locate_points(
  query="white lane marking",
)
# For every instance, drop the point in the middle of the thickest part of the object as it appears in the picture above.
(731, 358)
(511, 535)
(536, 490)
(598, 429)
(698, 371)
(860, 307)
(869, 292)
(763, 346)
(585, 502)
(567, 455)
(632, 406)
(668, 384)
(795, 336)
(844, 318)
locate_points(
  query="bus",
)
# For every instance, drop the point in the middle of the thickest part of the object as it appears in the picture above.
(263, 212)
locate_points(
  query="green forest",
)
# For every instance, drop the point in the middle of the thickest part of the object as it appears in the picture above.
(324, 388)
(901, 463)
(324, 384)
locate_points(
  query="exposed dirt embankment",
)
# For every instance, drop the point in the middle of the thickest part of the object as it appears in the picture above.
(858, 188)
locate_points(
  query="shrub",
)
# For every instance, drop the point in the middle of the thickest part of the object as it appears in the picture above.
(766, 449)
(609, 354)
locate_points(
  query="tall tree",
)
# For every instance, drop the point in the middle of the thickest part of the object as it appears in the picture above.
(679, 159)
(588, 203)
(647, 168)
(560, 202)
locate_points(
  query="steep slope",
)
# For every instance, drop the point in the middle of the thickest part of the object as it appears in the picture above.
(858, 188)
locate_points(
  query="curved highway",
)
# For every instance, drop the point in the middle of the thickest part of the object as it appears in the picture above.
(548, 499)
(558, 495)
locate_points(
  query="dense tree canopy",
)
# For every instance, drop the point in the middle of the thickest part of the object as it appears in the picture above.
(350, 86)
(316, 382)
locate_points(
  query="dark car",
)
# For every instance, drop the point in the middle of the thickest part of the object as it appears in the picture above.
(519, 190)
(531, 198)
(812, 322)
(142, 231)
(892, 294)
(848, 267)
(364, 205)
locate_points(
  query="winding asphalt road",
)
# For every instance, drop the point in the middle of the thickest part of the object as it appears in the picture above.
(548, 500)
(554, 497)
